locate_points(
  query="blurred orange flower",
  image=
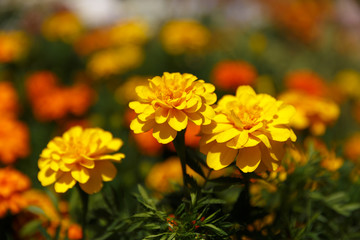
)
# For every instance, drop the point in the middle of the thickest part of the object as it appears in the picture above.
(306, 81)
(9, 106)
(14, 140)
(352, 149)
(12, 185)
(51, 101)
(92, 41)
(228, 75)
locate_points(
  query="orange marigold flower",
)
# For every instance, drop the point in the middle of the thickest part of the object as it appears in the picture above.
(169, 102)
(14, 140)
(184, 36)
(13, 46)
(307, 82)
(351, 149)
(251, 128)
(12, 185)
(64, 26)
(311, 111)
(93, 41)
(80, 155)
(228, 75)
(75, 232)
(9, 106)
(165, 176)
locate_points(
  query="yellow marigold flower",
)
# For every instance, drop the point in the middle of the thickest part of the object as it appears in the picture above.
(64, 26)
(164, 176)
(12, 186)
(126, 93)
(169, 102)
(13, 45)
(183, 36)
(251, 128)
(115, 61)
(348, 82)
(351, 148)
(312, 112)
(129, 32)
(80, 155)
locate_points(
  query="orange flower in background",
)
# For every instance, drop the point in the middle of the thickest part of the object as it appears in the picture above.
(312, 112)
(12, 185)
(50, 216)
(14, 140)
(80, 155)
(165, 176)
(329, 160)
(51, 101)
(169, 102)
(251, 129)
(9, 106)
(184, 36)
(302, 19)
(228, 75)
(13, 46)
(93, 41)
(306, 81)
(352, 149)
(64, 26)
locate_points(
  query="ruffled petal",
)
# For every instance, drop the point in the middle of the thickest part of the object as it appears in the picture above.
(65, 182)
(220, 156)
(248, 159)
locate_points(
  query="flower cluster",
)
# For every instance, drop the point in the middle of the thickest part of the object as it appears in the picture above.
(80, 155)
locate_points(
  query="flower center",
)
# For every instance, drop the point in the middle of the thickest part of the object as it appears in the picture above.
(246, 117)
(170, 91)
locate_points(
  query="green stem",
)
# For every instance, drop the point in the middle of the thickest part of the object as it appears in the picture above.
(84, 197)
(179, 143)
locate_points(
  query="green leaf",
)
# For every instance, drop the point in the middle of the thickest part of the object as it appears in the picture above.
(215, 229)
(30, 228)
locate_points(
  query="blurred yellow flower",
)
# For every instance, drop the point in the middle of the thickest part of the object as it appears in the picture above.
(129, 32)
(80, 155)
(13, 46)
(165, 176)
(312, 112)
(126, 91)
(169, 102)
(348, 82)
(64, 26)
(115, 61)
(184, 36)
(251, 128)
(352, 149)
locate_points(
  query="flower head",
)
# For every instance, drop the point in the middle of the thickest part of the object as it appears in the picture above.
(14, 140)
(12, 185)
(312, 112)
(80, 155)
(251, 128)
(13, 46)
(9, 106)
(169, 102)
(307, 82)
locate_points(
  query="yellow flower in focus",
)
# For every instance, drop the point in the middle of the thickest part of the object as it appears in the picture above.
(80, 155)
(64, 26)
(184, 36)
(251, 128)
(129, 32)
(164, 176)
(115, 61)
(312, 112)
(12, 186)
(169, 102)
(13, 46)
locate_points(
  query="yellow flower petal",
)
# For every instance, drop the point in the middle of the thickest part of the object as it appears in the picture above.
(161, 115)
(248, 159)
(80, 174)
(94, 184)
(220, 156)
(115, 157)
(227, 135)
(138, 107)
(177, 120)
(280, 134)
(139, 126)
(164, 133)
(47, 176)
(64, 183)
(239, 141)
(244, 90)
(107, 170)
